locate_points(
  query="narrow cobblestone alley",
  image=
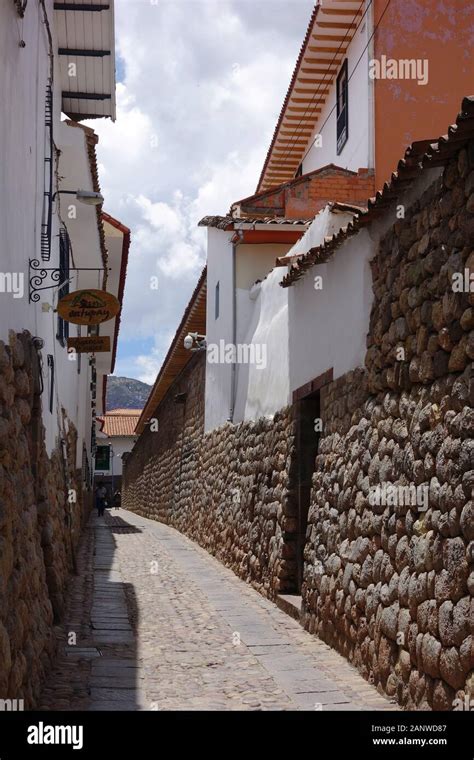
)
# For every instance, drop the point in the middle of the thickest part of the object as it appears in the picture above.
(162, 625)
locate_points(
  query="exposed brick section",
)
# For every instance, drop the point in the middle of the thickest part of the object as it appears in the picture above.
(304, 197)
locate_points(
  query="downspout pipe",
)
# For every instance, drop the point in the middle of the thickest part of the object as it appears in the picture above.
(233, 376)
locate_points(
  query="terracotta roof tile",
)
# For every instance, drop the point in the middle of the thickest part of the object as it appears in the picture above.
(227, 222)
(120, 422)
(121, 412)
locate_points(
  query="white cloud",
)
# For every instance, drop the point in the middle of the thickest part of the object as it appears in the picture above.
(147, 368)
(148, 365)
(161, 216)
(204, 83)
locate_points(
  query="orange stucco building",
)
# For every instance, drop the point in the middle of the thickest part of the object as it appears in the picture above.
(372, 77)
(440, 32)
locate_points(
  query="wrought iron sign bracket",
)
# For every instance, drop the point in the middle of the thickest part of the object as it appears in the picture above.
(37, 274)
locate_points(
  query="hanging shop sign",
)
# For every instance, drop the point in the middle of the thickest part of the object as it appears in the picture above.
(90, 344)
(88, 307)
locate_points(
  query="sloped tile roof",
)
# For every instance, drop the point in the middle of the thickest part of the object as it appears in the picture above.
(120, 422)
(331, 28)
(227, 222)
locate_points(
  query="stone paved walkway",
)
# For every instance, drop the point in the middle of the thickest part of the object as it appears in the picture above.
(171, 629)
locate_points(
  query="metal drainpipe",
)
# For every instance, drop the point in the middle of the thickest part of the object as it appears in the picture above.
(234, 336)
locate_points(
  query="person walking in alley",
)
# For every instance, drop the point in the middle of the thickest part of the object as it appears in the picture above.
(117, 499)
(100, 496)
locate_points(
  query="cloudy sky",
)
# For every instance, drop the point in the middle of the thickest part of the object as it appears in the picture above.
(200, 87)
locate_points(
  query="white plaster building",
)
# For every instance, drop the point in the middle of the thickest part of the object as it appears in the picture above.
(57, 67)
(243, 247)
(115, 437)
(339, 135)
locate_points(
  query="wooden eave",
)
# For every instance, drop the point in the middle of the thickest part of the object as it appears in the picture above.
(330, 31)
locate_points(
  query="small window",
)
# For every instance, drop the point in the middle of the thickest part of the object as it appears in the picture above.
(216, 302)
(102, 458)
(85, 466)
(342, 94)
(51, 381)
(64, 247)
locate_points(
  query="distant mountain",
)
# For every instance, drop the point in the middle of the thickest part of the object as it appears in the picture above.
(125, 393)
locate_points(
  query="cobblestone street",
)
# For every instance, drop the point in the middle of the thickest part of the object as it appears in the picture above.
(167, 627)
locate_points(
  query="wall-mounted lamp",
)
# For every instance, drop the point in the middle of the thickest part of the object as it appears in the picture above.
(194, 338)
(89, 197)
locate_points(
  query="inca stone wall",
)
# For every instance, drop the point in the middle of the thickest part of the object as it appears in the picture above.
(161, 475)
(245, 506)
(388, 574)
(38, 527)
(229, 490)
(389, 581)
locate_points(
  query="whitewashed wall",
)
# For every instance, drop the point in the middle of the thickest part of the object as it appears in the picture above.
(24, 73)
(328, 327)
(252, 262)
(218, 376)
(307, 330)
(121, 445)
(23, 78)
(261, 392)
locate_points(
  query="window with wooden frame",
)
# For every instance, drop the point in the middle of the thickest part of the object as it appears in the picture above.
(62, 333)
(342, 95)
